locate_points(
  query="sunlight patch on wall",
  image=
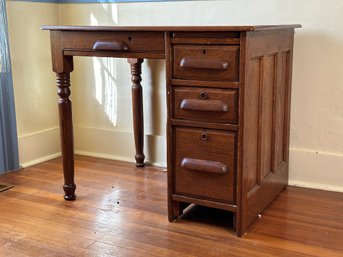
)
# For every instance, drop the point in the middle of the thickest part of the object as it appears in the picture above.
(105, 70)
(98, 79)
(93, 20)
(106, 91)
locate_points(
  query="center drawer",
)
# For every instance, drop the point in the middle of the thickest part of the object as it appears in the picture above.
(206, 62)
(114, 41)
(205, 104)
(205, 163)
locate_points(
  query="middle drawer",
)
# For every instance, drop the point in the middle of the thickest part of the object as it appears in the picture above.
(205, 104)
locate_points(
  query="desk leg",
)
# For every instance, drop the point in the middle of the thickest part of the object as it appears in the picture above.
(137, 108)
(66, 130)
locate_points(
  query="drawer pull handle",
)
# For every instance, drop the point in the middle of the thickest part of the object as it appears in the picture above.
(204, 105)
(113, 45)
(204, 166)
(198, 63)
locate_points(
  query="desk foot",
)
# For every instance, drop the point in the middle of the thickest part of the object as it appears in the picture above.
(137, 109)
(174, 211)
(69, 191)
(139, 160)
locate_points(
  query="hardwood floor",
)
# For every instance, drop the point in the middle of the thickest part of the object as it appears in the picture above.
(122, 211)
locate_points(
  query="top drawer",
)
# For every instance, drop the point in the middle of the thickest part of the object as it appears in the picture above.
(114, 41)
(204, 62)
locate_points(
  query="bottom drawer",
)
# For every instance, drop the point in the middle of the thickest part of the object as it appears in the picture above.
(205, 163)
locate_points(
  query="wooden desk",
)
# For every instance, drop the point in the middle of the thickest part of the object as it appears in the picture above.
(228, 96)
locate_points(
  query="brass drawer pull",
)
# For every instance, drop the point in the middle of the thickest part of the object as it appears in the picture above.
(204, 136)
(204, 166)
(198, 63)
(204, 105)
(203, 95)
(113, 45)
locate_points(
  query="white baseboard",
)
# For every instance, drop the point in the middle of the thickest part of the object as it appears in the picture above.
(315, 186)
(308, 168)
(40, 160)
(39, 146)
(315, 169)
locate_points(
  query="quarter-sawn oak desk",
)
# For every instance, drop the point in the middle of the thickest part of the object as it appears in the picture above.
(228, 96)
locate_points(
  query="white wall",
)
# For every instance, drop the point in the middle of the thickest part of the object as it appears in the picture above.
(34, 83)
(102, 111)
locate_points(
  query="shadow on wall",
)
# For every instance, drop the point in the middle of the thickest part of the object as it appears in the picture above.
(155, 110)
(316, 156)
(317, 116)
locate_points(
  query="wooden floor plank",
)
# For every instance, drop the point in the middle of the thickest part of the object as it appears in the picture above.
(121, 210)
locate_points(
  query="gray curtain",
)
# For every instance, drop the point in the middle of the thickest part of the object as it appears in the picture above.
(8, 130)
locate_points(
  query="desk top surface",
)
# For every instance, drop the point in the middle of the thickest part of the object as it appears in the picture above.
(172, 28)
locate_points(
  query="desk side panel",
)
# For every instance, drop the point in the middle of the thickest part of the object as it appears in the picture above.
(266, 120)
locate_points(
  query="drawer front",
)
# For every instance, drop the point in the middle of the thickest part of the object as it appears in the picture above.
(209, 63)
(205, 163)
(205, 104)
(114, 41)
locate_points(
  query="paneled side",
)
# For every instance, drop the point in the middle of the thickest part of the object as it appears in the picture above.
(251, 141)
(280, 109)
(266, 120)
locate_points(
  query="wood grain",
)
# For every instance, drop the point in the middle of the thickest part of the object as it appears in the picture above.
(205, 145)
(66, 131)
(206, 62)
(172, 28)
(266, 120)
(121, 211)
(134, 41)
(205, 104)
(137, 109)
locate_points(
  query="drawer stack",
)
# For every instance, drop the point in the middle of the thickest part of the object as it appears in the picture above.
(229, 97)
(204, 117)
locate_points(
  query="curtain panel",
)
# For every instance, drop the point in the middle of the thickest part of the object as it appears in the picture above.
(8, 132)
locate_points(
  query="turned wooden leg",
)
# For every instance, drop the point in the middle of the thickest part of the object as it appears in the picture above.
(137, 108)
(66, 130)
